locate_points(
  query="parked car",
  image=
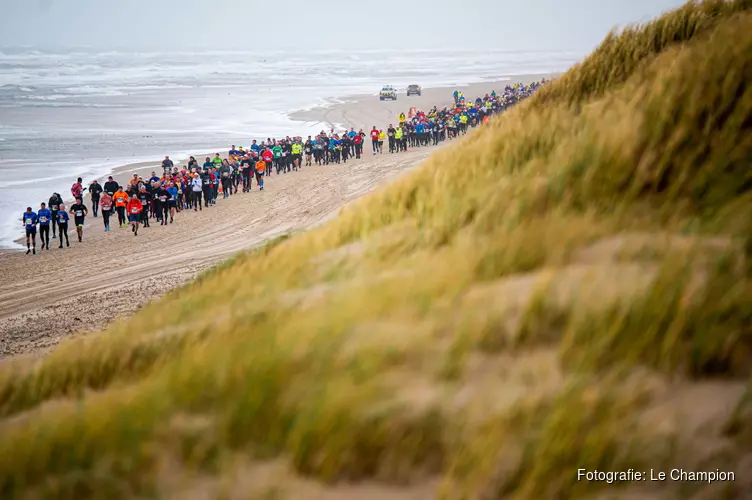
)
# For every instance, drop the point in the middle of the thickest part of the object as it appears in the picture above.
(388, 92)
(414, 89)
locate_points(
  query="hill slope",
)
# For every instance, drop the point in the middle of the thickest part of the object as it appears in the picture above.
(567, 288)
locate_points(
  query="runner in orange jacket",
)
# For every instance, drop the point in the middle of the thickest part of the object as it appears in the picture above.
(260, 169)
(121, 200)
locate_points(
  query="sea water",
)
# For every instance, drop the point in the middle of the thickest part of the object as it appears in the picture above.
(82, 113)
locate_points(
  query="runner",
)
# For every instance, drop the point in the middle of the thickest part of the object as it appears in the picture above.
(261, 169)
(96, 192)
(375, 139)
(167, 164)
(79, 212)
(163, 205)
(357, 141)
(346, 147)
(196, 190)
(145, 197)
(236, 176)
(172, 200)
(286, 156)
(77, 189)
(55, 201)
(246, 171)
(225, 172)
(297, 154)
(308, 148)
(134, 213)
(110, 187)
(277, 152)
(398, 135)
(62, 225)
(180, 185)
(206, 187)
(215, 185)
(216, 161)
(121, 200)
(30, 221)
(105, 203)
(44, 215)
(351, 135)
(268, 157)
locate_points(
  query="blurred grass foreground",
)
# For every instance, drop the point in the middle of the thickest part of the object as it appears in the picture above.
(568, 287)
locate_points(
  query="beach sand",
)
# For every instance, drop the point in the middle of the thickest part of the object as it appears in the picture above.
(365, 111)
(59, 293)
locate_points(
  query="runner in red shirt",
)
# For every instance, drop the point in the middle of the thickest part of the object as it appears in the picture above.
(268, 157)
(77, 189)
(375, 139)
(358, 143)
(134, 208)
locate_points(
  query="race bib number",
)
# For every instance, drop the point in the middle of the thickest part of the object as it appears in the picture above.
(106, 207)
(28, 222)
(43, 219)
(79, 213)
(162, 198)
(55, 207)
(134, 210)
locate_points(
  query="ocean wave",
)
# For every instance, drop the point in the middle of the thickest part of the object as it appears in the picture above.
(10, 87)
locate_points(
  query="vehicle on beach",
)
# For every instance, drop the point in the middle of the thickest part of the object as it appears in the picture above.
(388, 92)
(414, 89)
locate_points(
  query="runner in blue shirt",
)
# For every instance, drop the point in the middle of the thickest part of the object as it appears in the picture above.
(207, 164)
(29, 219)
(420, 130)
(44, 216)
(62, 225)
(172, 201)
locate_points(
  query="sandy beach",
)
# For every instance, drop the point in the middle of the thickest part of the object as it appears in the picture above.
(58, 293)
(365, 111)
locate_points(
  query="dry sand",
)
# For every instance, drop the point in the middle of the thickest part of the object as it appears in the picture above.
(58, 293)
(365, 111)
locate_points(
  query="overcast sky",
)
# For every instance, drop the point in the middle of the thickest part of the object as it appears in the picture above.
(318, 24)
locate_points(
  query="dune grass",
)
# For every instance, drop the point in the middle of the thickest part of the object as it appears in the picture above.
(549, 294)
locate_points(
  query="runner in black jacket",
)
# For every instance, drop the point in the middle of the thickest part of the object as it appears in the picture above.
(96, 191)
(110, 187)
(54, 203)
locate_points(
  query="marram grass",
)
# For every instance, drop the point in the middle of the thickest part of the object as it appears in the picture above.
(567, 287)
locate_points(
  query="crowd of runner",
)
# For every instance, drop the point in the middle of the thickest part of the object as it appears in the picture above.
(158, 198)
